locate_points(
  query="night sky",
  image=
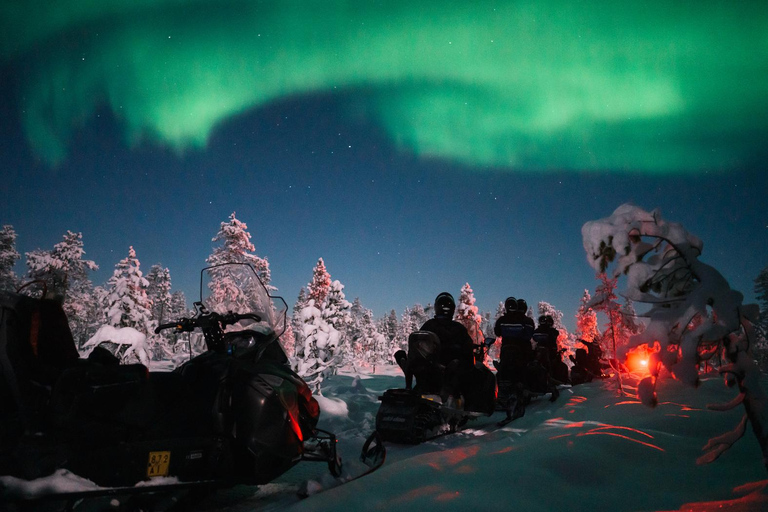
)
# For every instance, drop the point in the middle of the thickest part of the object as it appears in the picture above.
(414, 146)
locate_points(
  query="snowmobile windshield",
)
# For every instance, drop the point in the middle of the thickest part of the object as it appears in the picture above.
(236, 288)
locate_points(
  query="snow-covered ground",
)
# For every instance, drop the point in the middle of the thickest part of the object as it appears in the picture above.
(592, 450)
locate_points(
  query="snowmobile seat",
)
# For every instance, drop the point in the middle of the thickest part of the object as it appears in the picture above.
(94, 393)
(36, 346)
(424, 362)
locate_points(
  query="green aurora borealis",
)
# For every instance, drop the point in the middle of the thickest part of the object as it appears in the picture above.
(530, 85)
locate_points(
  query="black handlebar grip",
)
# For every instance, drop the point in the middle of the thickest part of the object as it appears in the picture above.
(165, 326)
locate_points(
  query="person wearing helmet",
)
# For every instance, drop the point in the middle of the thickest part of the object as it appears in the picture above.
(523, 307)
(515, 329)
(546, 336)
(456, 347)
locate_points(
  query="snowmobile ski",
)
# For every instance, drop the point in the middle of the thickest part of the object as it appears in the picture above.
(373, 455)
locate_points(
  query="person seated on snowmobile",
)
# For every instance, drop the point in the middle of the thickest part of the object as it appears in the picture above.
(587, 365)
(545, 337)
(579, 372)
(515, 329)
(456, 346)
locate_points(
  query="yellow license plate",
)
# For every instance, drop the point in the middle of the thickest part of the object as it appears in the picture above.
(158, 464)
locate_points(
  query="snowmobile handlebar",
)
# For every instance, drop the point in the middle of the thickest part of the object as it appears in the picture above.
(206, 320)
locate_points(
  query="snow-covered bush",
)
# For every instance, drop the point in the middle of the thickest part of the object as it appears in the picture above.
(128, 343)
(317, 356)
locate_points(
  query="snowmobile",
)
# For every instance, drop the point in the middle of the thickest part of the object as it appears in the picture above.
(520, 382)
(235, 414)
(414, 414)
(588, 364)
(558, 370)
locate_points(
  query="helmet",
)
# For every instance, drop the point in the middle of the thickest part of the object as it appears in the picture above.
(522, 306)
(510, 304)
(444, 305)
(547, 320)
(542, 320)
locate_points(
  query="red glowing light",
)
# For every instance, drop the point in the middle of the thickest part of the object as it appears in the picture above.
(638, 359)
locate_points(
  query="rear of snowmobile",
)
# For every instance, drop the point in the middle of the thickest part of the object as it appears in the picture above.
(414, 414)
(236, 414)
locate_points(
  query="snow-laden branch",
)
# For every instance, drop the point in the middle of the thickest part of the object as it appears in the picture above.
(720, 444)
(692, 306)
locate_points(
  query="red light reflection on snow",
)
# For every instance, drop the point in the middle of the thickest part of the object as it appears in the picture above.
(576, 400)
(628, 438)
(454, 457)
(422, 492)
(446, 496)
(683, 407)
(437, 493)
(627, 433)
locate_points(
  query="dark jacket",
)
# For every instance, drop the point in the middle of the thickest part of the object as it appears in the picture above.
(515, 351)
(515, 317)
(455, 342)
(549, 340)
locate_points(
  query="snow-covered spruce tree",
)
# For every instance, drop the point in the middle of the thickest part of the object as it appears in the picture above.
(377, 348)
(236, 247)
(353, 353)
(405, 328)
(317, 341)
(159, 293)
(320, 285)
(296, 322)
(317, 357)
(159, 296)
(621, 324)
(95, 313)
(336, 311)
(8, 258)
(127, 303)
(692, 308)
(388, 326)
(586, 320)
(288, 341)
(179, 307)
(411, 320)
(62, 266)
(65, 273)
(486, 323)
(84, 310)
(467, 314)
(564, 340)
(179, 342)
